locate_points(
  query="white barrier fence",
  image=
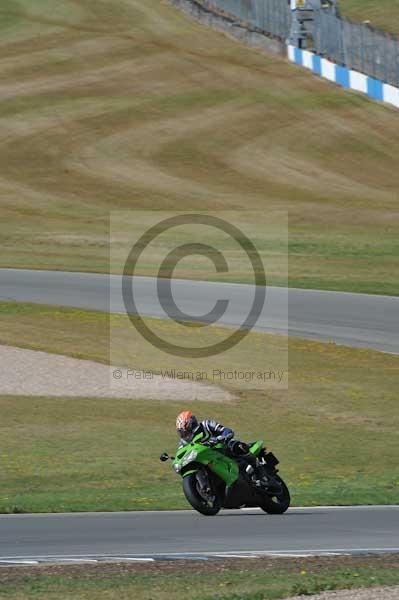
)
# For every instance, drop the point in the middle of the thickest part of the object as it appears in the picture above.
(347, 78)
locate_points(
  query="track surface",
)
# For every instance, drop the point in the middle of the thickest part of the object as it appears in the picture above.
(357, 320)
(300, 530)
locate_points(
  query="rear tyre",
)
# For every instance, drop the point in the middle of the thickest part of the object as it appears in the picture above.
(197, 501)
(277, 505)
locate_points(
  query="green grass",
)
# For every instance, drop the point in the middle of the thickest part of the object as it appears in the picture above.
(132, 105)
(334, 428)
(258, 580)
(383, 14)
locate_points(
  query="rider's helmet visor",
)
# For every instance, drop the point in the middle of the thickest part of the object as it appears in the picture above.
(185, 434)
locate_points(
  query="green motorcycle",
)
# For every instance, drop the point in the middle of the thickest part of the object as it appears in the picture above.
(213, 479)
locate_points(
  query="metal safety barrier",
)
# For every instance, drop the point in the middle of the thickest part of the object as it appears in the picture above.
(354, 45)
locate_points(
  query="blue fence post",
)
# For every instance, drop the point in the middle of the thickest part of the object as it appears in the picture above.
(375, 88)
(342, 76)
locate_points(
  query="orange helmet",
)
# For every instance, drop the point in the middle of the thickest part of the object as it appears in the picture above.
(186, 423)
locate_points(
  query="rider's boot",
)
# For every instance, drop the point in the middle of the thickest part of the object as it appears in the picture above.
(252, 476)
(264, 482)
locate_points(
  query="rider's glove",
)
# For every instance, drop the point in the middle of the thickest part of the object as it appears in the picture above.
(212, 442)
(244, 447)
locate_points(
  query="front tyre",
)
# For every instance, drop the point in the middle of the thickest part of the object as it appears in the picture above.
(191, 491)
(278, 504)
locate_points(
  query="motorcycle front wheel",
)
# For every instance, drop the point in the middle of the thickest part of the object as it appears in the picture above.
(278, 504)
(198, 502)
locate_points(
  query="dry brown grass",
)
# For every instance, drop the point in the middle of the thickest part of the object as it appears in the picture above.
(130, 104)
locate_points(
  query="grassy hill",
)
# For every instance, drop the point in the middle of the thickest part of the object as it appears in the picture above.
(383, 14)
(130, 104)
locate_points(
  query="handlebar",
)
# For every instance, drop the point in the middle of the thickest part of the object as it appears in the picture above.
(211, 443)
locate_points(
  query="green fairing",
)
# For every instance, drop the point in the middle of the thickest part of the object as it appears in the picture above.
(186, 473)
(216, 461)
(256, 448)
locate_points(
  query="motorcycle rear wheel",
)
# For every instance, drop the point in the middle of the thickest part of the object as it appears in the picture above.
(190, 489)
(277, 505)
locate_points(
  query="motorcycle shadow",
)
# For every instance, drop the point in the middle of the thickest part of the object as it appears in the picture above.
(234, 513)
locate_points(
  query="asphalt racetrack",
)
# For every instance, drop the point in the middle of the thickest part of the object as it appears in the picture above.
(152, 535)
(357, 320)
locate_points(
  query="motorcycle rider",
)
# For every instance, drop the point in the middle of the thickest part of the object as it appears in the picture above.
(187, 427)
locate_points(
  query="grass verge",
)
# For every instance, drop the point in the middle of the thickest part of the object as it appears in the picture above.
(255, 579)
(132, 105)
(334, 428)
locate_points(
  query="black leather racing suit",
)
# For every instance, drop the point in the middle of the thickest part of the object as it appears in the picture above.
(211, 430)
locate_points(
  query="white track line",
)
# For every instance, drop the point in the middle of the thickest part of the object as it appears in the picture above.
(233, 553)
(222, 555)
(129, 558)
(19, 562)
(77, 560)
